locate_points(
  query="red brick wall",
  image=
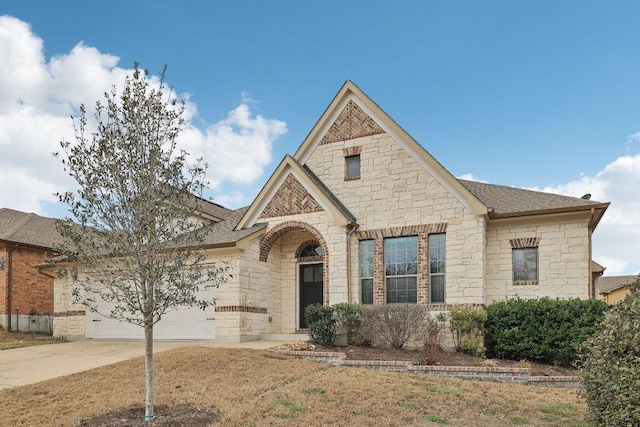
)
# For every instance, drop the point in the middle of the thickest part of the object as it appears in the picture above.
(32, 291)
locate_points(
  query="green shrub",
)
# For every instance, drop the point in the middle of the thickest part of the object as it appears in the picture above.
(610, 365)
(467, 326)
(321, 323)
(393, 325)
(349, 318)
(544, 330)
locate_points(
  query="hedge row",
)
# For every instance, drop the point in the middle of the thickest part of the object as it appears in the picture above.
(545, 330)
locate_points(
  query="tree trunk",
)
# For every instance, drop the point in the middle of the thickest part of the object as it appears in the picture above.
(149, 413)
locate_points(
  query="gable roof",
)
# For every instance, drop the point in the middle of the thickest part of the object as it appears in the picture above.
(607, 284)
(489, 200)
(28, 229)
(505, 202)
(224, 233)
(350, 92)
(327, 200)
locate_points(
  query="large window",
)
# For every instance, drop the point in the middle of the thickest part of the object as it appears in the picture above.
(437, 250)
(366, 271)
(401, 269)
(525, 266)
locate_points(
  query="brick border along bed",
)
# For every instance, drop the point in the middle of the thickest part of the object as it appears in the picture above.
(481, 373)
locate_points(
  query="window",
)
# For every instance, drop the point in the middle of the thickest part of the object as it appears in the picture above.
(401, 269)
(366, 271)
(312, 250)
(437, 250)
(352, 167)
(525, 266)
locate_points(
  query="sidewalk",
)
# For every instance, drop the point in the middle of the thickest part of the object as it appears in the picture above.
(28, 365)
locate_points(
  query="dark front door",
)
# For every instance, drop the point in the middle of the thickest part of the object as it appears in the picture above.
(310, 288)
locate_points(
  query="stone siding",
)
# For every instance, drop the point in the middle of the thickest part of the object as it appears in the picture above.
(69, 316)
(563, 258)
(394, 190)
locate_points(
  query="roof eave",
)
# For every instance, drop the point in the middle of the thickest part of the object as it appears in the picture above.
(600, 208)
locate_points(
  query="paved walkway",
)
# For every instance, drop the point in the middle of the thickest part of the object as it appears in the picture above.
(30, 365)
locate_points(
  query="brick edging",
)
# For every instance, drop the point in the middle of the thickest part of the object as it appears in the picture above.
(478, 373)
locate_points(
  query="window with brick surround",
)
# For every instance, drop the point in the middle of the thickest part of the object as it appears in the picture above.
(525, 266)
(352, 167)
(401, 269)
(366, 271)
(310, 251)
(437, 263)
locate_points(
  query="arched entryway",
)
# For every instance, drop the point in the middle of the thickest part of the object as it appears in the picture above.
(306, 262)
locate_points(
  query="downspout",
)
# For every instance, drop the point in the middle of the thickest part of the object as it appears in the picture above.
(592, 284)
(9, 285)
(349, 233)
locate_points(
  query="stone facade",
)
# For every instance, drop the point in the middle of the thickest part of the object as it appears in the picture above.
(400, 191)
(563, 258)
(69, 317)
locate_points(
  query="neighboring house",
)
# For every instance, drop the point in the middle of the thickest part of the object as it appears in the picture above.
(363, 213)
(26, 294)
(613, 289)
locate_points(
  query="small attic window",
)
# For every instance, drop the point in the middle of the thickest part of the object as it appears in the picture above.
(352, 167)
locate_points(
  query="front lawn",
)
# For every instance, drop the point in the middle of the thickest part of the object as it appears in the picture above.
(260, 388)
(21, 339)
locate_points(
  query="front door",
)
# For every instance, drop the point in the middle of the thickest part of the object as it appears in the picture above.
(310, 288)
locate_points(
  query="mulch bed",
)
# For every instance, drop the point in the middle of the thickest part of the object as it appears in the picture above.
(419, 357)
(170, 416)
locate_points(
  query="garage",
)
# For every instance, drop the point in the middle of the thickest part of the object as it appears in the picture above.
(184, 323)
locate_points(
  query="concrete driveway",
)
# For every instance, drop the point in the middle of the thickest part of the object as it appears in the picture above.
(30, 365)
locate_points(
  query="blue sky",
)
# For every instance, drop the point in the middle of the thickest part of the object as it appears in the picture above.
(542, 95)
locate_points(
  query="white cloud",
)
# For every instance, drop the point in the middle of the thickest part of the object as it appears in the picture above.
(470, 177)
(232, 201)
(237, 148)
(38, 96)
(616, 242)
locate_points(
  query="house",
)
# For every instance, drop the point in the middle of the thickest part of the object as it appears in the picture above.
(363, 213)
(613, 289)
(26, 294)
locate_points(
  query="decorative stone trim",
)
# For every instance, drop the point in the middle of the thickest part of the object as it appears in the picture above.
(240, 309)
(478, 373)
(529, 242)
(409, 230)
(70, 313)
(422, 231)
(270, 237)
(290, 199)
(351, 123)
(352, 151)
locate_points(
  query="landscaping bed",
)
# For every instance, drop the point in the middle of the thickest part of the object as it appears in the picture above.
(418, 357)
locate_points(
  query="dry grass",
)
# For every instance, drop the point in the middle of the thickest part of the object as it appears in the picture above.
(259, 388)
(20, 339)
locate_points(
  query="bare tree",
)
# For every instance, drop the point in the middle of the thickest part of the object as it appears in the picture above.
(135, 234)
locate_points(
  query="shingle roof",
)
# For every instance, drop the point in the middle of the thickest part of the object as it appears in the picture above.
(510, 201)
(605, 284)
(28, 229)
(213, 209)
(223, 233)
